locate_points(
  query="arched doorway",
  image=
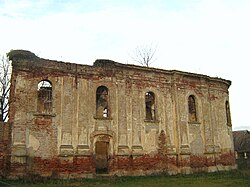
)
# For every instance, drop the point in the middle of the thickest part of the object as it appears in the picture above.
(102, 145)
(101, 156)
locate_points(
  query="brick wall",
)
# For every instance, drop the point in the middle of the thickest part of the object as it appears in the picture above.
(61, 141)
(5, 135)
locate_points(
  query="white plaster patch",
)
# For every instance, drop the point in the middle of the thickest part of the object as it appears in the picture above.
(33, 142)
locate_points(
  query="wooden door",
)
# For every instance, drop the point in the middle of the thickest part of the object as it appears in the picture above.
(101, 156)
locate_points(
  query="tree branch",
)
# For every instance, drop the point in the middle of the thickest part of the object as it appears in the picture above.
(144, 55)
(5, 74)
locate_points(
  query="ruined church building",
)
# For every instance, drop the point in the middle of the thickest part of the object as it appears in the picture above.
(72, 120)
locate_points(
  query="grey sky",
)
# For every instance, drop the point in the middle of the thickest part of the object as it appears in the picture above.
(209, 37)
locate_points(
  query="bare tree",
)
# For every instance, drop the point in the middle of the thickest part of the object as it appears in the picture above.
(5, 75)
(144, 54)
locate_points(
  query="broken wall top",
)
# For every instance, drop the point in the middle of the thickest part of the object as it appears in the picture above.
(23, 60)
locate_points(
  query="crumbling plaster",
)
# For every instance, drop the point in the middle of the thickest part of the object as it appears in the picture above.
(69, 133)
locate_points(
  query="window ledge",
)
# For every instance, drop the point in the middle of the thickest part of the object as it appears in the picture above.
(102, 118)
(45, 114)
(194, 122)
(151, 121)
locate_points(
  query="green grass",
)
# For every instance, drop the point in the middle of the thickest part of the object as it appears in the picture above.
(239, 178)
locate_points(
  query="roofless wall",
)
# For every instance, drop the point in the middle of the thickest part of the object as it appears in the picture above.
(72, 120)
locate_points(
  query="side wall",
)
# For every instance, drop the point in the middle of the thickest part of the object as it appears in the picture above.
(5, 141)
(62, 143)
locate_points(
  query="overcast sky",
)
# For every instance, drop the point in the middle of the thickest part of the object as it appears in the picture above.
(209, 37)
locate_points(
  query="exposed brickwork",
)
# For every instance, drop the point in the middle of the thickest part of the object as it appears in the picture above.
(184, 161)
(123, 163)
(139, 124)
(226, 159)
(17, 170)
(198, 161)
(43, 122)
(210, 161)
(172, 162)
(147, 162)
(5, 138)
(54, 167)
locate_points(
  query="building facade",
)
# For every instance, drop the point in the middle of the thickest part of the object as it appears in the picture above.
(242, 148)
(72, 120)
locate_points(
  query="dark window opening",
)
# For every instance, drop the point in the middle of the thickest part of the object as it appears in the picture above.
(228, 114)
(44, 97)
(102, 105)
(192, 109)
(150, 106)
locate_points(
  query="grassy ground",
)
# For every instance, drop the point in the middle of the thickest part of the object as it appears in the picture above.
(239, 178)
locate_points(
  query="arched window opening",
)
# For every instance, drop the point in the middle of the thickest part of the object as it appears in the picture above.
(228, 114)
(102, 103)
(150, 106)
(192, 109)
(44, 96)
